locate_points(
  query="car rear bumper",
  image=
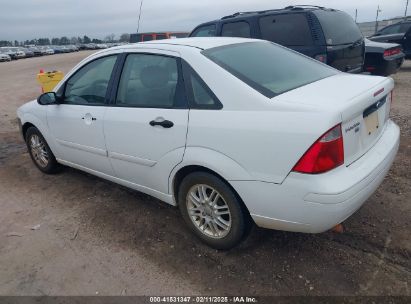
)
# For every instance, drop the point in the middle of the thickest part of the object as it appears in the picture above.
(316, 203)
(390, 66)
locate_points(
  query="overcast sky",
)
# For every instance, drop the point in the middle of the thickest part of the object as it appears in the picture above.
(27, 19)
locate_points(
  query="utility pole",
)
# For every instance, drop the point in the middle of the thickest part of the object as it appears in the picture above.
(406, 8)
(356, 14)
(139, 16)
(376, 19)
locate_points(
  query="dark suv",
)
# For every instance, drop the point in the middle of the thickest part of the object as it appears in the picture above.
(396, 33)
(328, 35)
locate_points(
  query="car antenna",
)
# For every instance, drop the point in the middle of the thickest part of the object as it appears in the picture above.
(139, 16)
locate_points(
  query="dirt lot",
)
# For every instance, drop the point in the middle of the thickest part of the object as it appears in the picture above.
(75, 234)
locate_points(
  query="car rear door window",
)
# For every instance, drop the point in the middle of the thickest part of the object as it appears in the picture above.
(394, 29)
(199, 94)
(204, 31)
(286, 29)
(148, 81)
(236, 29)
(89, 84)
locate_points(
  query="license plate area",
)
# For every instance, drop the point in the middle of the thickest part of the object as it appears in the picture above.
(371, 122)
(370, 116)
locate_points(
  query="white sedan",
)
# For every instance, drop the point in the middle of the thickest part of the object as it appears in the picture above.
(232, 131)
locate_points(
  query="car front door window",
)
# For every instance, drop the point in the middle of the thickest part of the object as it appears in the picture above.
(148, 81)
(205, 31)
(88, 86)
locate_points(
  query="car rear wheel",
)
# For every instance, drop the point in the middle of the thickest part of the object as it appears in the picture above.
(212, 210)
(40, 151)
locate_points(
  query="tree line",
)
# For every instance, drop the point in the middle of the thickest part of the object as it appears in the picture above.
(66, 40)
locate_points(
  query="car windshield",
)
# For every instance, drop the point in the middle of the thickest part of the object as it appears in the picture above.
(268, 68)
(338, 27)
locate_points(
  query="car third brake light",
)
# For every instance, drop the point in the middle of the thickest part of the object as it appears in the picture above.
(324, 155)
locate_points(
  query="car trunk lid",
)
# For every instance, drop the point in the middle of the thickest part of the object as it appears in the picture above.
(362, 101)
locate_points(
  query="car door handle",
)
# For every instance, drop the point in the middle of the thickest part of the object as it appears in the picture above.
(164, 123)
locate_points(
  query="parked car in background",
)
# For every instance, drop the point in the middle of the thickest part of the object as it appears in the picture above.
(15, 53)
(11, 53)
(140, 37)
(328, 35)
(101, 46)
(43, 50)
(234, 131)
(58, 49)
(47, 50)
(382, 59)
(396, 33)
(88, 46)
(4, 56)
(72, 48)
(27, 52)
(36, 51)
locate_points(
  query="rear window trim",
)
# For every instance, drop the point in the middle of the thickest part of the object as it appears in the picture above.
(252, 84)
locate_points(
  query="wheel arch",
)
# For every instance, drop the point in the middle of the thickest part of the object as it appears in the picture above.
(188, 169)
(29, 120)
(25, 127)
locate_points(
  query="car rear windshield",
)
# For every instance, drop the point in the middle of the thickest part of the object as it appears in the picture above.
(338, 27)
(268, 68)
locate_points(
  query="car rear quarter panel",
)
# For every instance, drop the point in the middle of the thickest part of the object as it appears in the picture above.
(267, 144)
(266, 137)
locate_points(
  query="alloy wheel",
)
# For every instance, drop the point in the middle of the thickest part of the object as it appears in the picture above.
(208, 211)
(39, 151)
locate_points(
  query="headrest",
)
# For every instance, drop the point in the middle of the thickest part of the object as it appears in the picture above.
(154, 77)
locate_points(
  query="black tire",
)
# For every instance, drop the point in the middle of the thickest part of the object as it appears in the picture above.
(240, 218)
(52, 165)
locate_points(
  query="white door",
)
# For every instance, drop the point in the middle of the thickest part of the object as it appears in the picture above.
(146, 128)
(77, 122)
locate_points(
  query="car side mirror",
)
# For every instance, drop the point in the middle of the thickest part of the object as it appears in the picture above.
(48, 98)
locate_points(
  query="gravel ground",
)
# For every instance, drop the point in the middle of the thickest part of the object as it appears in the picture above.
(75, 234)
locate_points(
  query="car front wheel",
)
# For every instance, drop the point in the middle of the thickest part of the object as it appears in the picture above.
(40, 151)
(212, 210)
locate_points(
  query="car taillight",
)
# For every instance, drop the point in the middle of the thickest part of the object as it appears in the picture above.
(392, 52)
(322, 58)
(325, 154)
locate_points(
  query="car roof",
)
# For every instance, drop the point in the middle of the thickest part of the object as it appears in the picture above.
(396, 23)
(177, 44)
(288, 9)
